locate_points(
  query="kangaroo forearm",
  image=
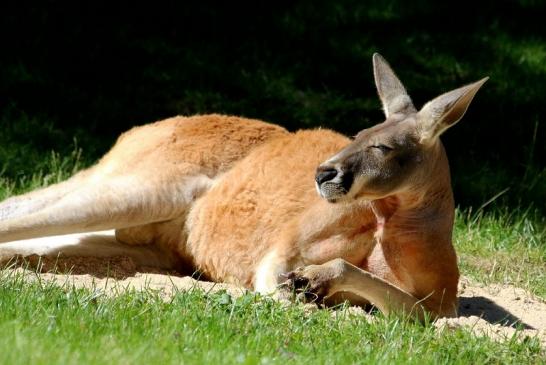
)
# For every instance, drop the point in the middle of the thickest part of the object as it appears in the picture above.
(385, 296)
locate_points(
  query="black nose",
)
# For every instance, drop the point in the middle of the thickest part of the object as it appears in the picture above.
(325, 174)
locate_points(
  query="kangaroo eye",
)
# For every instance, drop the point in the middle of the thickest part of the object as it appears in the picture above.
(383, 148)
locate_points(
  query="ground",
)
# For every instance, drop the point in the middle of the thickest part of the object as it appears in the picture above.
(498, 311)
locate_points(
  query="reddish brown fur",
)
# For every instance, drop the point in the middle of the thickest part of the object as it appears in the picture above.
(268, 200)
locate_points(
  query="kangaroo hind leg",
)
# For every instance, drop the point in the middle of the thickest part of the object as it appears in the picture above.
(36, 200)
(99, 245)
(110, 202)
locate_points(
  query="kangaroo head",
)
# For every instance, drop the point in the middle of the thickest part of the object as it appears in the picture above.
(399, 153)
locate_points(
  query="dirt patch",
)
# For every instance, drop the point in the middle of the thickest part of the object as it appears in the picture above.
(497, 311)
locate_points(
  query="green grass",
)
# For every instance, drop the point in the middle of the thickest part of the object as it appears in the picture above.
(34, 153)
(42, 323)
(504, 246)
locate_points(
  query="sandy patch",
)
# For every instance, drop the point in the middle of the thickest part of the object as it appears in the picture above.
(497, 311)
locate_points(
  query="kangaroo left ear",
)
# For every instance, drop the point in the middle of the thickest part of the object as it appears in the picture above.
(444, 111)
(392, 93)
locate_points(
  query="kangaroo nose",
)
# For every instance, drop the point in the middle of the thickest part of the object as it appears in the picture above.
(325, 174)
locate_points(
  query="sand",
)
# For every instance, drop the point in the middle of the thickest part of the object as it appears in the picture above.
(497, 311)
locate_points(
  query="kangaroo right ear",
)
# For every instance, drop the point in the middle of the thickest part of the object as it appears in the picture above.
(392, 93)
(444, 111)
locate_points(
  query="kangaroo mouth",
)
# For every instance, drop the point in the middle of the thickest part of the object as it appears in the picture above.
(331, 192)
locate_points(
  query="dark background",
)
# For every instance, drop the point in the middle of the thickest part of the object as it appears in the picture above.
(92, 70)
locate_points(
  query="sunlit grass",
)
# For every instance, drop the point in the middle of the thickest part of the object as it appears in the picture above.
(42, 323)
(505, 246)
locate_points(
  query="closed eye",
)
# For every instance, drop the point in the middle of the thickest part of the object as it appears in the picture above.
(383, 148)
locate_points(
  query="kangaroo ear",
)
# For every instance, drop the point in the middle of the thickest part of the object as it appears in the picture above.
(447, 109)
(392, 93)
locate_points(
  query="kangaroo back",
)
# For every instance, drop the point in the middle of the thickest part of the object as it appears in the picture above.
(152, 174)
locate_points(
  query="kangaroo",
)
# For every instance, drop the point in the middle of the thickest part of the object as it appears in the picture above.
(247, 202)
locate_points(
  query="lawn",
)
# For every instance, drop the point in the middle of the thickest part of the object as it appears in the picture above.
(503, 246)
(46, 324)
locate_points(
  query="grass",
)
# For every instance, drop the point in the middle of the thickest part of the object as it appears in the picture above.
(34, 153)
(504, 246)
(43, 324)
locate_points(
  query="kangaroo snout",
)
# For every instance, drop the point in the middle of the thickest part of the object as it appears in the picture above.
(332, 183)
(325, 173)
